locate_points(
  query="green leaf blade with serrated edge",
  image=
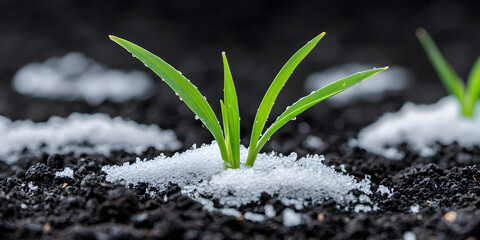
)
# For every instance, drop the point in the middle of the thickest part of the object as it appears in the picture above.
(473, 85)
(449, 77)
(182, 86)
(233, 115)
(269, 99)
(310, 100)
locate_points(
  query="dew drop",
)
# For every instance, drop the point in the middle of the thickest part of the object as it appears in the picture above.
(196, 117)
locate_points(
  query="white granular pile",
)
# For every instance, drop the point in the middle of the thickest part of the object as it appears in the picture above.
(291, 218)
(75, 77)
(199, 172)
(66, 135)
(373, 89)
(67, 172)
(421, 126)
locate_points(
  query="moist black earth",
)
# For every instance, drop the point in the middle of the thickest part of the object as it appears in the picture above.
(259, 37)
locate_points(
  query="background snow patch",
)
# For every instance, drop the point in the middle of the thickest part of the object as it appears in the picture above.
(420, 126)
(66, 135)
(75, 77)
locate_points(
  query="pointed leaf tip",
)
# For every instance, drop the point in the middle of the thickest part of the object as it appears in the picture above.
(420, 32)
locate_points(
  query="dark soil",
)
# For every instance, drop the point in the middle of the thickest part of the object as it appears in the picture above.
(36, 205)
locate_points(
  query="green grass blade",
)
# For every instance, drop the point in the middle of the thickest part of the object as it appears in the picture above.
(308, 101)
(182, 86)
(277, 85)
(228, 162)
(473, 86)
(449, 77)
(233, 115)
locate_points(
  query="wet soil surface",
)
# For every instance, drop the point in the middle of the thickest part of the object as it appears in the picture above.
(34, 204)
(444, 188)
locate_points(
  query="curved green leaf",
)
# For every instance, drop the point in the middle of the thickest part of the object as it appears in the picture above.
(308, 101)
(277, 85)
(182, 86)
(233, 115)
(449, 77)
(473, 86)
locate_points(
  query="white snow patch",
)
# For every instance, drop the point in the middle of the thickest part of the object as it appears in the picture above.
(199, 172)
(421, 126)
(32, 186)
(314, 142)
(373, 89)
(75, 77)
(67, 172)
(269, 211)
(409, 236)
(385, 190)
(415, 208)
(188, 168)
(231, 212)
(254, 217)
(291, 218)
(66, 135)
(362, 208)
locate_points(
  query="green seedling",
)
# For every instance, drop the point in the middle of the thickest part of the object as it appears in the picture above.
(467, 96)
(229, 140)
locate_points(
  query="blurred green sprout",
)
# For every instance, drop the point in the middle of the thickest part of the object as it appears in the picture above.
(228, 140)
(467, 96)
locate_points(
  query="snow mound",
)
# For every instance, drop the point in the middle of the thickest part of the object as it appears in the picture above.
(75, 77)
(373, 89)
(199, 173)
(81, 133)
(421, 126)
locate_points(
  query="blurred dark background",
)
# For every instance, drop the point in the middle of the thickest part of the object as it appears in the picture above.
(258, 36)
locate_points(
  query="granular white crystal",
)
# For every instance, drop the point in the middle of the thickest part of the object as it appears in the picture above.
(190, 167)
(254, 217)
(67, 172)
(230, 212)
(66, 135)
(269, 211)
(75, 77)
(291, 218)
(199, 173)
(32, 186)
(362, 208)
(409, 236)
(415, 208)
(385, 190)
(372, 89)
(421, 126)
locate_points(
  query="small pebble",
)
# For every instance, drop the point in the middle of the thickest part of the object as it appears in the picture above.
(450, 216)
